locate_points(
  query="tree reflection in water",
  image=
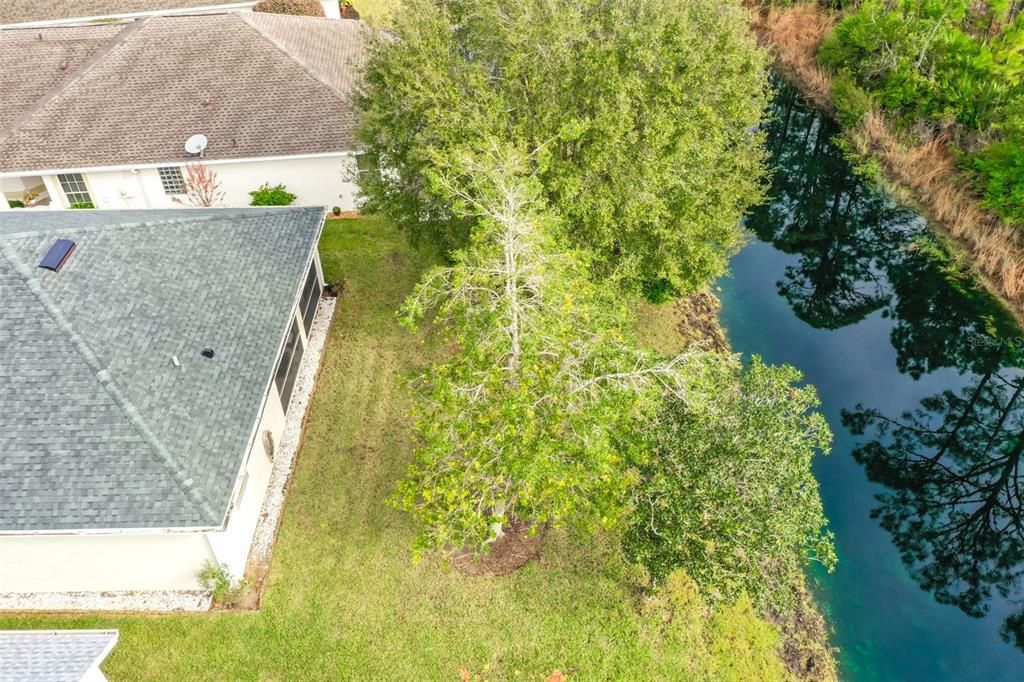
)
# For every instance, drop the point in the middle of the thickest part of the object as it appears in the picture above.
(952, 466)
(953, 505)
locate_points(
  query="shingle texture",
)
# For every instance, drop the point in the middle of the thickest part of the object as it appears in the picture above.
(256, 85)
(98, 429)
(51, 656)
(23, 11)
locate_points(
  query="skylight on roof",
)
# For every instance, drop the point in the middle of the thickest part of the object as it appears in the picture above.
(57, 255)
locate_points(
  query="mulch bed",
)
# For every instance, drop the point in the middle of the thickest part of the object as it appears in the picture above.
(512, 551)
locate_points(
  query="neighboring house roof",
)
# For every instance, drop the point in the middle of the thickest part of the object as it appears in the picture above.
(52, 655)
(98, 428)
(255, 84)
(24, 11)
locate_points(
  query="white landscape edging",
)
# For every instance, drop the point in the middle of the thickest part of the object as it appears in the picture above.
(284, 457)
(162, 601)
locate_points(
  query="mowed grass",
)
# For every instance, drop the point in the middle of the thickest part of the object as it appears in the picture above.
(344, 600)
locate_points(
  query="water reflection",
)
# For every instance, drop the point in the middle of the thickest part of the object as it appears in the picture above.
(951, 467)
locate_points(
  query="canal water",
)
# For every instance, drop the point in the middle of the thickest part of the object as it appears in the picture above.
(916, 370)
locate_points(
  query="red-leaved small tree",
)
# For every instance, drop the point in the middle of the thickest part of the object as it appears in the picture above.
(202, 187)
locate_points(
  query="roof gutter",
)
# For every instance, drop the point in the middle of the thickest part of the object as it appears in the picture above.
(175, 162)
(71, 21)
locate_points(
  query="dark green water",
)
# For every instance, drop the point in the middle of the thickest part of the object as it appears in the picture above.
(916, 369)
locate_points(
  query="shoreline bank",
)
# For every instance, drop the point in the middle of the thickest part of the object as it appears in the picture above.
(922, 175)
(805, 647)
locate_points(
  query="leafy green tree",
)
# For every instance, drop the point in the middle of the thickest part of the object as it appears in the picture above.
(642, 116)
(728, 494)
(532, 416)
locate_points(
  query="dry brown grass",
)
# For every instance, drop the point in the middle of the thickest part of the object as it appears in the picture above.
(795, 33)
(925, 171)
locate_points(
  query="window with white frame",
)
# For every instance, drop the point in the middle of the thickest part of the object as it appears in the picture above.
(75, 190)
(172, 179)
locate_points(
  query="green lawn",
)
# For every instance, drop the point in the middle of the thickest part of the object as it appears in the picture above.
(344, 601)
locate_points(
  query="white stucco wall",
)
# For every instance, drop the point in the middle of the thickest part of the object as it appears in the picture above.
(317, 181)
(231, 546)
(85, 563)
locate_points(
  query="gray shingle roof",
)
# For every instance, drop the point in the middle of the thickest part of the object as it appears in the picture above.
(52, 655)
(23, 11)
(97, 428)
(131, 93)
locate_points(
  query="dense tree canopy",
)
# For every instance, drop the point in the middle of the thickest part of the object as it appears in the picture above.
(533, 416)
(641, 117)
(728, 494)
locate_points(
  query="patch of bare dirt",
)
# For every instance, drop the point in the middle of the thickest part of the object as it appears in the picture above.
(805, 647)
(513, 550)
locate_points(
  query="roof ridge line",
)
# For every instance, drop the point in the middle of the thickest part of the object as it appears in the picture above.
(106, 380)
(229, 212)
(283, 50)
(58, 89)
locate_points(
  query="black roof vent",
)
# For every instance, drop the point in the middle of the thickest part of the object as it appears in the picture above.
(207, 353)
(57, 255)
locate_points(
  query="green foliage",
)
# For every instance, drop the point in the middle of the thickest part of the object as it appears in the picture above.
(729, 643)
(641, 116)
(852, 102)
(926, 60)
(728, 494)
(340, 548)
(82, 204)
(265, 195)
(533, 415)
(941, 64)
(226, 591)
(306, 8)
(15, 203)
(658, 291)
(1000, 169)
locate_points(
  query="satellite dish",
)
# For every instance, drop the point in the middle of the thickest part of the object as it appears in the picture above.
(196, 144)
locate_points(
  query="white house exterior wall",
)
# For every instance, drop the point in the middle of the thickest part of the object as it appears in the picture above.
(231, 546)
(316, 181)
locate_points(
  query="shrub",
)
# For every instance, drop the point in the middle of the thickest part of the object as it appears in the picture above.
(1000, 172)
(730, 643)
(303, 8)
(226, 591)
(851, 101)
(82, 204)
(15, 203)
(336, 210)
(728, 494)
(658, 290)
(265, 195)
